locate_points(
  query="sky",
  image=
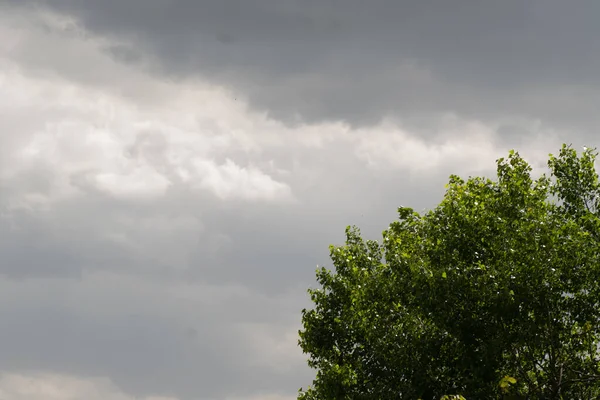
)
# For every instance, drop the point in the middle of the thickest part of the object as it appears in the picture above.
(173, 171)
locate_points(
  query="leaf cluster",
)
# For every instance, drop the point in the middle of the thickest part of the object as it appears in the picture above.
(492, 294)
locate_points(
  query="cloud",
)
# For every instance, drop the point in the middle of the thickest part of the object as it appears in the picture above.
(264, 397)
(140, 151)
(160, 229)
(359, 62)
(151, 337)
(57, 387)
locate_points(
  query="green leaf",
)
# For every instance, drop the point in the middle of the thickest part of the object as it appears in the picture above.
(386, 328)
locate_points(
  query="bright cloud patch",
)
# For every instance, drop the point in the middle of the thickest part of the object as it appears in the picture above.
(129, 141)
(129, 135)
(91, 140)
(62, 387)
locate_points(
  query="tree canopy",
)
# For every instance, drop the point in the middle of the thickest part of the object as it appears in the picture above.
(492, 294)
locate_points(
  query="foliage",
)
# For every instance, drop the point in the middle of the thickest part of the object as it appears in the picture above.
(493, 294)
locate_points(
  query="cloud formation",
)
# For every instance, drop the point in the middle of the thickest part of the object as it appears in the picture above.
(171, 176)
(359, 62)
(56, 387)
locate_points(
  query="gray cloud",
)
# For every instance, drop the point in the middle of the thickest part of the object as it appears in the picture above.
(357, 61)
(143, 337)
(162, 209)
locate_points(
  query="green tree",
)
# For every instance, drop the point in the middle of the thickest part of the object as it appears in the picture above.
(493, 294)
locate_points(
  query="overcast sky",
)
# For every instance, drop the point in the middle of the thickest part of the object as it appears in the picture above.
(172, 171)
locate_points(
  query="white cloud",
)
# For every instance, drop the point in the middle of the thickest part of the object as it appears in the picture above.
(229, 180)
(122, 146)
(131, 136)
(14, 386)
(391, 147)
(264, 397)
(129, 153)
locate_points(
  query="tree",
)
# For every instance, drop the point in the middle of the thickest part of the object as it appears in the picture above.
(492, 294)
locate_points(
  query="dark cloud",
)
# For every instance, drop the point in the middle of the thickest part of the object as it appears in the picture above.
(358, 61)
(144, 345)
